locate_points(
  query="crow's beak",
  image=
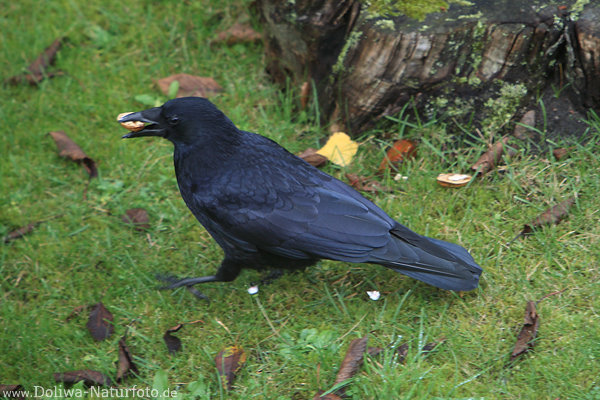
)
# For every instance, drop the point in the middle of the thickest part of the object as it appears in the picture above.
(151, 117)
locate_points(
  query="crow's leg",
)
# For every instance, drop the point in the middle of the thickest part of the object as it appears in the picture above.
(227, 272)
(272, 276)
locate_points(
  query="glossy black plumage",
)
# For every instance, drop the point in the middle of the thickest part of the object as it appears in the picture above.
(268, 208)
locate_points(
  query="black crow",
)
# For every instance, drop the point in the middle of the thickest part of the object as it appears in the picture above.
(268, 208)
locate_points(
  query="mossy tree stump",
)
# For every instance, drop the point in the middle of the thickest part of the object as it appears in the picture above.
(483, 62)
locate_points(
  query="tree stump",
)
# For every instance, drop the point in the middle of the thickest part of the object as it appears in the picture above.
(479, 64)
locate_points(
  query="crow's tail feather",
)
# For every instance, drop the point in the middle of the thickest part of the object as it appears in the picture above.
(435, 262)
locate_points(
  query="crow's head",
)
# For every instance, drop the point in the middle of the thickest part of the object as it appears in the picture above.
(186, 120)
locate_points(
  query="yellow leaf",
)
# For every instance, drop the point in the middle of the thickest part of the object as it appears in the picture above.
(339, 149)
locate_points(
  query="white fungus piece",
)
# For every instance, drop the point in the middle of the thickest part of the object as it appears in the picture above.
(374, 294)
(253, 290)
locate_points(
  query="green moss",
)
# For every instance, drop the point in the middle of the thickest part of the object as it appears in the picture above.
(417, 9)
(352, 41)
(502, 108)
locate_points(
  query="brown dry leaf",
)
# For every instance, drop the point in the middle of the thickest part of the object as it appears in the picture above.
(238, 33)
(11, 392)
(401, 150)
(352, 362)
(229, 361)
(402, 351)
(553, 215)
(526, 337)
(68, 148)
(311, 156)
(37, 69)
(173, 342)
(46, 59)
(304, 95)
(126, 364)
(89, 377)
(20, 232)
(100, 322)
(523, 133)
(138, 217)
(329, 396)
(32, 79)
(562, 152)
(490, 158)
(190, 85)
(363, 184)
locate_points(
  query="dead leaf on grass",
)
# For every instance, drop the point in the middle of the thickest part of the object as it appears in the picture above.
(352, 362)
(490, 158)
(400, 151)
(526, 337)
(100, 322)
(363, 184)
(37, 69)
(20, 232)
(173, 342)
(138, 217)
(68, 148)
(229, 361)
(11, 392)
(311, 156)
(126, 364)
(89, 377)
(552, 215)
(238, 33)
(190, 85)
(521, 131)
(339, 149)
(304, 95)
(562, 152)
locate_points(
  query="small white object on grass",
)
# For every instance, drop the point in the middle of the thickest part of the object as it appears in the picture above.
(253, 289)
(374, 294)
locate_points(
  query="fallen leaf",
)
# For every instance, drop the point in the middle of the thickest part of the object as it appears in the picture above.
(562, 152)
(68, 148)
(490, 158)
(339, 149)
(126, 364)
(521, 131)
(46, 59)
(304, 95)
(138, 217)
(401, 150)
(429, 347)
(173, 342)
(352, 362)
(552, 215)
(229, 361)
(238, 33)
(37, 69)
(526, 337)
(328, 396)
(453, 180)
(20, 232)
(89, 377)
(32, 79)
(100, 322)
(363, 184)
(190, 85)
(402, 351)
(311, 156)
(12, 392)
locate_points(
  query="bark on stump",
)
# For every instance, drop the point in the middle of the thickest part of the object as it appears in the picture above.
(484, 62)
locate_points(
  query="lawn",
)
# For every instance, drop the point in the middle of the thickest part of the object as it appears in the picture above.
(296, 330)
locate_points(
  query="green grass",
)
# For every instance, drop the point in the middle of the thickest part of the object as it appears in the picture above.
(87, 254)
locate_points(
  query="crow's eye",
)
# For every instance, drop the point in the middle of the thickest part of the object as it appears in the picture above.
(174, 120)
